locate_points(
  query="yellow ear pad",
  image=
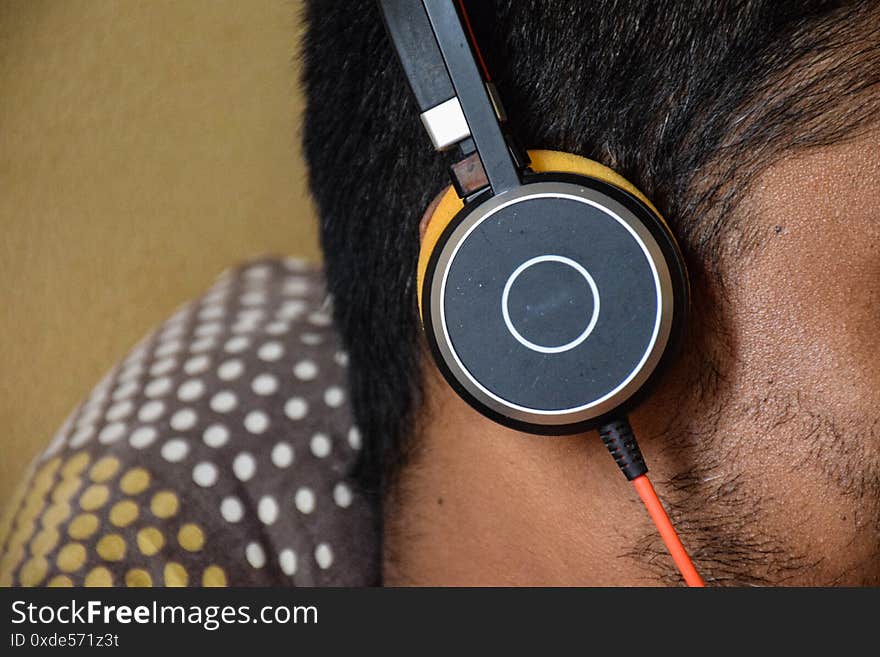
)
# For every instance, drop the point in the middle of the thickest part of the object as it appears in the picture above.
(542, 161)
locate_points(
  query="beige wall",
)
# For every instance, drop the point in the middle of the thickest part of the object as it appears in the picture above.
(144, 147)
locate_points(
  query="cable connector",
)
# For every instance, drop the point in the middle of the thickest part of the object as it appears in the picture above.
(620, 440)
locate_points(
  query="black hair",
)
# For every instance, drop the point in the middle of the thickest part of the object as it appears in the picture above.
(689, 100)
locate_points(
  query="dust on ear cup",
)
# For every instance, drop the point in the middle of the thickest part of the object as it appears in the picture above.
(551, 306)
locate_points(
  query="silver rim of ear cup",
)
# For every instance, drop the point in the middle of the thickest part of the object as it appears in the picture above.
(662, 322)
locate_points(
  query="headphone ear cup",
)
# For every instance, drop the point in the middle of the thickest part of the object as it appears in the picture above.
(524, 295)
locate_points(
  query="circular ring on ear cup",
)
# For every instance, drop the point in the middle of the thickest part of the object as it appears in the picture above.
(550, 307)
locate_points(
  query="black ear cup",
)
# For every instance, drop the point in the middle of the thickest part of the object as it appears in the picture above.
(552, 306)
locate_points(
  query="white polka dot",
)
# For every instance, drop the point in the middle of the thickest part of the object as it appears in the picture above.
(197, 364)
(255, 555)
(320, 319)
(237, 344)
(190, 390)
(119, 410)
(244, 327)
(142, 437)
(342, 495)
(111, 433)
(311, 339)
(250, 314)
(163, 366)
(224, 401)
(287, 561)
(265, 384)
(267, 510)
(184, 419)
(257, 272)
(129, 374)
(89, 416)
(244, 466)
(271, 351)
(175, 450)
(277, 328)
(291, 310)
(305, 370)
(341, 358)
(304, 500)
(231, 509)
(216, 435)
(158, 387)
(82, 436)
(296, 408)
(254, 298)
(209, 329)
(354, 438)
(282, 455)
(256, 422)
(296, 264)
(231, 369)
(172, 331)
(125, 391)
(168, 348)
(211, 312)
(334, 396)
(324, 556)
(320, 445)
(136, 354)
(205, 474)
(296, 286)
(201, 345)
(151, 411)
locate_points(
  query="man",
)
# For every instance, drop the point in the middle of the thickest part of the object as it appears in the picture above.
(751, 125)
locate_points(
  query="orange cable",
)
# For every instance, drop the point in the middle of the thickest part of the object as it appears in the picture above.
(667, 531)
(473, 39)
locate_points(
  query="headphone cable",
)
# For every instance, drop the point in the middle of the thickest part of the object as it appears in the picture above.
(620, 440)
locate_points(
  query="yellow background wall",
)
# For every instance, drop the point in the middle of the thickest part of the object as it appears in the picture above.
(144, 147)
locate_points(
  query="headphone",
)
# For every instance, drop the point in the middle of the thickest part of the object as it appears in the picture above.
(551, 291)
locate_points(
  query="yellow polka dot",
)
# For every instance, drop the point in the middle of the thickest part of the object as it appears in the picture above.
(150, 541)
(104, 469)
(66, 489)
(83, 526)
(191, 537)
(10, 562)
(99, 576)
(214, 576)
(71, 557)
(164, 504)
(60, 580)
(33, 572)
(32, 508)
(111, 547)
(22, 533)
(175, 575)
(45, 542)
(46, 474)
(138, 577)
(75, 465)
(56, 514)
(94, 497)
(124, 513)
(134, 481)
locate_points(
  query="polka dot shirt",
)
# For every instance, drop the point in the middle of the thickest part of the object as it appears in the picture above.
(215, 454)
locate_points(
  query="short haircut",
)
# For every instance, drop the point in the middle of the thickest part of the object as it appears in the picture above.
(688, 100)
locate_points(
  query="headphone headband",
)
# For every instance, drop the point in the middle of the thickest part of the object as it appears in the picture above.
(453, 98)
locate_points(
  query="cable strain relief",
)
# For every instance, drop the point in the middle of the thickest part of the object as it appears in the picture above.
(620, 440)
